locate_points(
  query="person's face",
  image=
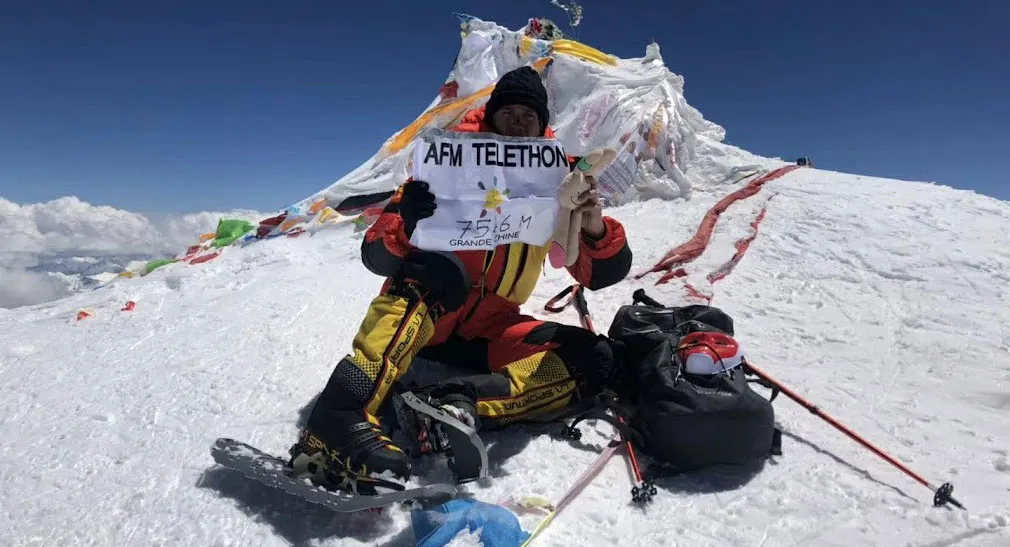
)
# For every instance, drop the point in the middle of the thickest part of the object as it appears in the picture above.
(516, 120)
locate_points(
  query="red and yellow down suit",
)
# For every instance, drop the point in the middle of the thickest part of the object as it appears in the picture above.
(522, 366)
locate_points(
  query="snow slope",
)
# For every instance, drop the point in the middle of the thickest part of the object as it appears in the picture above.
(884, 302)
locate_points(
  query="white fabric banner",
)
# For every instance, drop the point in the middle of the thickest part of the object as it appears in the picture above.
(489, 189)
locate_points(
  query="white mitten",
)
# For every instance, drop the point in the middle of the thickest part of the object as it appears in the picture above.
(565, 242)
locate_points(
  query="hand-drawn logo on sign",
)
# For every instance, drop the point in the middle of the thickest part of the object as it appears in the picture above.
(494, 197)
(502, 230)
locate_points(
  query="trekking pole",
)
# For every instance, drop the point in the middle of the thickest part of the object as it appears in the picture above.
(574, 490)
(582, 307)
(643, 490)
(941, 495)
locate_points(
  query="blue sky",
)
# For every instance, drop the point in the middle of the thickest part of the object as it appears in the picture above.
(183, 106)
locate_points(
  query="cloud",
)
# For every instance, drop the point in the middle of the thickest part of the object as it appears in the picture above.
(21, 287)
(32, 235)
(68, 224)
(182, 230)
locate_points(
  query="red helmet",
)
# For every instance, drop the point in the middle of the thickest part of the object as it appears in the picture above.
(709, 353)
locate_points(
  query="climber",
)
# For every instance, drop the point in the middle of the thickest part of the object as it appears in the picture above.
(460, 308)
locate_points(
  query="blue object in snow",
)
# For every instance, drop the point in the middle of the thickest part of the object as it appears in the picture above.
(438, 526)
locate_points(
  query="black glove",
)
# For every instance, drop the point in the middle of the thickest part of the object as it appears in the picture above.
(441, 273)
(417, 202)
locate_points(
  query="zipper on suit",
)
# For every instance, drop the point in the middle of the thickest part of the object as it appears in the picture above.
(488, 259)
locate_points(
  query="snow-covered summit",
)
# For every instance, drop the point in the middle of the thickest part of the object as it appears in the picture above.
(637, 104)
(884, 302)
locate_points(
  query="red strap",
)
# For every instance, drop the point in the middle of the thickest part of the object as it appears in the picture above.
(549, 306)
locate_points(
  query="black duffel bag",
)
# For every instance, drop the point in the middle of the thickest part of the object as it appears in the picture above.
(687, 402)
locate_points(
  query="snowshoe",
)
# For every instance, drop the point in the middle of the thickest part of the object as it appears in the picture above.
(446, 425)
(277, 473)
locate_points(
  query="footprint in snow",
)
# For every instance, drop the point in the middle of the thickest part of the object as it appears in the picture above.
(1002, 464)
(22, 350)
(173, 282)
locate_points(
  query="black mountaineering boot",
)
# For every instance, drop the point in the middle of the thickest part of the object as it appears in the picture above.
(344, 447)
(353, 455)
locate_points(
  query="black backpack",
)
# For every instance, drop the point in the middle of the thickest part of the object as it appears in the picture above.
(684, 421)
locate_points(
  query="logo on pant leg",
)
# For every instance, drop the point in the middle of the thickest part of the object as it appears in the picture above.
(406, 338)
(549, 394)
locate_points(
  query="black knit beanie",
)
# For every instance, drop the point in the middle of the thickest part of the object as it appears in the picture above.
(520, 86)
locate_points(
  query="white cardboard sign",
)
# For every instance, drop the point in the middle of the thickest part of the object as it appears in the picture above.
(489, 190)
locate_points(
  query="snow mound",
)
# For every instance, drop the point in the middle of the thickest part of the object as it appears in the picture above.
(634, 105)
